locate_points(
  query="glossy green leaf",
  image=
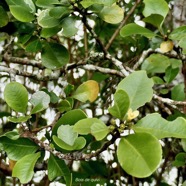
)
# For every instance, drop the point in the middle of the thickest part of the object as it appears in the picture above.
(58, 167)
(69, 28)
(112, 14)
(66, 134)
(64, 105)
(48, 32)
(180, 159)
(170, 74)
(99, 130)
(156, 63)
(83, 126)
(59, 12)
(79, 143)
(21, 13)
(134, 29)
(19, 119)
(24, 168)
(121, 104)
(139, 154)
(87, 3)
(178, 33)
(40, 100)
(46, 21)
(46, 3)
(27, 4)
(13, 135)
(138, 87)
(16, 96)
(34, 46)
(154, 19)
(161, 128)
(4, 17)
(177, 93)
(69, 118)
(87, 91)
(16, 149)
(155, 7)
(54, 55)
(182, 43)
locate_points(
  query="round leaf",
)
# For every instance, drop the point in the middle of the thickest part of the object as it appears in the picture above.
(87, 91)
(79, 143)
(87, 3)
(138, 87)
(46, 21)
(16, 96)
(112, 14)
(40, 100)
(66, 134)
(155, 7)
(54, 55)
(139, 154)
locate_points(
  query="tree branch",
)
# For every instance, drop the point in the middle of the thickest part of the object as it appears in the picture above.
(121, 25)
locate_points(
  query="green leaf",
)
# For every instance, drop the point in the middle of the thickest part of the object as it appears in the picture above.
(58, 167)
(69, 118)
(155, 7)
(4, 17)
(48, 32)
(24, 168)
(154, 19)
(177, 93)
(138, 87)
(16, 96)
(182, 43)
(180, 159)
(87, 91)
(13, 135)
(156, 63)
(161, 128)
(83, 126)
(121, 104)
(139, 154)
(99, 130)
(178, 33)
(69, 28)
(40, 100)
(54, 55)
(34, 45)
(64, 105)
(46, 21)
(59, 12)
(183, 143)
(27, 4)
(87, 3)
(46, 3)
(16, 149)
(79, 143)
(170, 74)
(133, 29)
(112, 14)
(19, 119)
(66, 134)
(21, 13)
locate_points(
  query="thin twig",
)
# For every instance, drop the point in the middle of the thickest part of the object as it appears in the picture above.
(121, 25)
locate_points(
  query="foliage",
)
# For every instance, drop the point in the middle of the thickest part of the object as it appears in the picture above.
(92, 92)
